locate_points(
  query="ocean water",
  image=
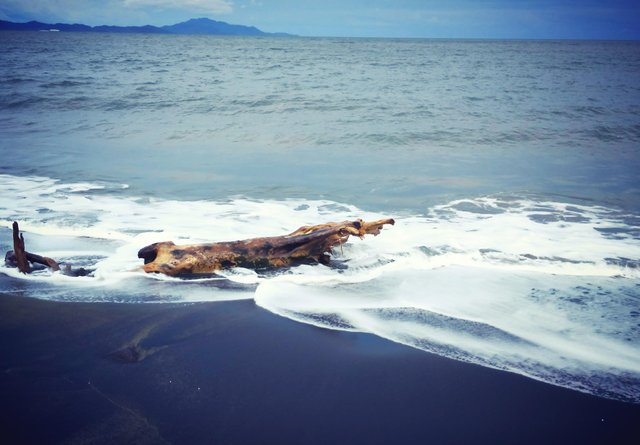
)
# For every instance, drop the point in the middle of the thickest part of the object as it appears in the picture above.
(511, 168)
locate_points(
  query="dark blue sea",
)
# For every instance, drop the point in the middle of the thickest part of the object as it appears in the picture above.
(511, 168)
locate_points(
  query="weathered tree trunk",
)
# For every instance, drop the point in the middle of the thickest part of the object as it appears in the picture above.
(20, 258)
(307, 245)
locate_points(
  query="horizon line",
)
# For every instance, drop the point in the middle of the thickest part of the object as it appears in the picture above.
(291, 35)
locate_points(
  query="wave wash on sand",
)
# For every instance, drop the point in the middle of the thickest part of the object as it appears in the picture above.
(540, 287)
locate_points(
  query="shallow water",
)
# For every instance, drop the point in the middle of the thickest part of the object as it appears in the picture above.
(510, 168)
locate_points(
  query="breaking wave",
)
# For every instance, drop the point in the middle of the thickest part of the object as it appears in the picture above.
(528, 284)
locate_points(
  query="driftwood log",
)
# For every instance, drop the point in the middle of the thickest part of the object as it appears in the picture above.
(307, 245)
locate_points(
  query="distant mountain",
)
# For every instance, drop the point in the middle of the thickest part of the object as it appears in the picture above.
(202, 26)
(212, 27)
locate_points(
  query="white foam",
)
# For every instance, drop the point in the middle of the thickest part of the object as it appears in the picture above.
(538, 287)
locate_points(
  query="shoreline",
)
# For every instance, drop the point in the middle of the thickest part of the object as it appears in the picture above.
(232, 372)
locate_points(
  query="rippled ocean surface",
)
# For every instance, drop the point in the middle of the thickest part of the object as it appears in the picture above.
(511, 168)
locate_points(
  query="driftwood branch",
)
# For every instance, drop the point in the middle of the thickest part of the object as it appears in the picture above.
(307, 245)
(20, 258)
(18, 250)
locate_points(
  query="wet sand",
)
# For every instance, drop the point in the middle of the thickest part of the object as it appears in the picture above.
(233, 373)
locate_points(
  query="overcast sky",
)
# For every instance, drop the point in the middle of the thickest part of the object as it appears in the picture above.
(579, 19)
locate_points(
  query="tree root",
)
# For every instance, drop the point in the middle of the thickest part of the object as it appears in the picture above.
(20, 258)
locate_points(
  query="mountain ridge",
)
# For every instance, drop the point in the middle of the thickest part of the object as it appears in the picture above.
(197, 26)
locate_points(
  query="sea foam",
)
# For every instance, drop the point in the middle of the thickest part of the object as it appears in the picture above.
(543, 288)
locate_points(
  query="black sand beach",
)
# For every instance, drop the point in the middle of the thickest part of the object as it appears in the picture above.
(231, 372)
